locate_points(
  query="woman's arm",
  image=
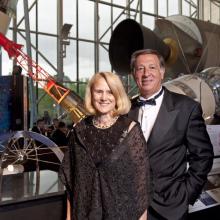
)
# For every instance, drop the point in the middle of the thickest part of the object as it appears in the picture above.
(68, 213)
(144, 216)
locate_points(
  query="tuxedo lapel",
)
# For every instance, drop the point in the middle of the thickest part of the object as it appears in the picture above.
(165, 118)
(164, 121)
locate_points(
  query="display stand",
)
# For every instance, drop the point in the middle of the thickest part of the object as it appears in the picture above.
(32, 196)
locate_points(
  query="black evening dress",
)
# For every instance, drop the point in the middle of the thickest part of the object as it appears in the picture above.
(106, 171)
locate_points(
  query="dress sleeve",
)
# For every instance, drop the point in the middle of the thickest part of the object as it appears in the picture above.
(140, 159)
(66, 171)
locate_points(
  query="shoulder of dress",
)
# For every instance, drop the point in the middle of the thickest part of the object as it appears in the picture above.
(127, 120)
(134, 98)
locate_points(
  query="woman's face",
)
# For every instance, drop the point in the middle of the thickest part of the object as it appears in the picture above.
(102, 98)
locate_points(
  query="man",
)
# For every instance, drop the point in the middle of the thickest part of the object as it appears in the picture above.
(175, 133)
(39, 127)
(59, 136)
(52, 127)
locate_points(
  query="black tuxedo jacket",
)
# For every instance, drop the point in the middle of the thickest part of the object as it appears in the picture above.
(178, 135)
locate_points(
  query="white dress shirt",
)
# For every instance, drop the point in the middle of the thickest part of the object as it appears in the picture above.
(148, 114)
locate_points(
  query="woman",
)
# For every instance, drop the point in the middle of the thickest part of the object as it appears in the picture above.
(105, 170)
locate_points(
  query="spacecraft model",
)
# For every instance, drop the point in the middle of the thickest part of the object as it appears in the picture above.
(66, 98)
(191, 49)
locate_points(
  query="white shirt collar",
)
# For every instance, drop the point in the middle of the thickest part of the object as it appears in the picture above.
(142, 98)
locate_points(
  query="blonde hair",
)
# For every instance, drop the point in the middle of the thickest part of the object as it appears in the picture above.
(123, 103)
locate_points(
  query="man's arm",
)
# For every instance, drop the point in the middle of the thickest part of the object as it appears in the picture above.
(200, 153)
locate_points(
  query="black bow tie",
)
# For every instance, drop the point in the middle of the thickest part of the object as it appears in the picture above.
(151, 101)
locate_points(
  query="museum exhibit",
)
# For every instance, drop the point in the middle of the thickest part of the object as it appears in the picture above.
(49, 50)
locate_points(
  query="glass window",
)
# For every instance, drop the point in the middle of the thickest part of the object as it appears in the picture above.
(162, 8)
(7, 63)
(194, 13)
(149, 21)
(69, 62)
(47, 23)
(119, 2)
(173, 7)
(193, 9)
(31, 13)
(207, 11)
(134, 4)
(20, 14)
(148, 6)
(69, 15)
(86, 60)
(86, 19)
(104, 22)
(104, 63)
(194, 2)
(185, 8)
(108, 1)
(48, 47)
(214, 14)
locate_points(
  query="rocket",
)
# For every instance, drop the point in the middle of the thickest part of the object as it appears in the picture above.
(11, 47)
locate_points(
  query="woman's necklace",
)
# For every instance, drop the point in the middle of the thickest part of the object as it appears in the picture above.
(104, 126)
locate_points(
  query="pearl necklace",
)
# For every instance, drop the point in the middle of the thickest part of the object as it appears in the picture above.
(99, 125)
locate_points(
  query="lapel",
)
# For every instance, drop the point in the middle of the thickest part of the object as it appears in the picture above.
(165, 119)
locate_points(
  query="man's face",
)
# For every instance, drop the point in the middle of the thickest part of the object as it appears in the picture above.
(148, 74)
(41, 125)
(55, 123)
(63, 129)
